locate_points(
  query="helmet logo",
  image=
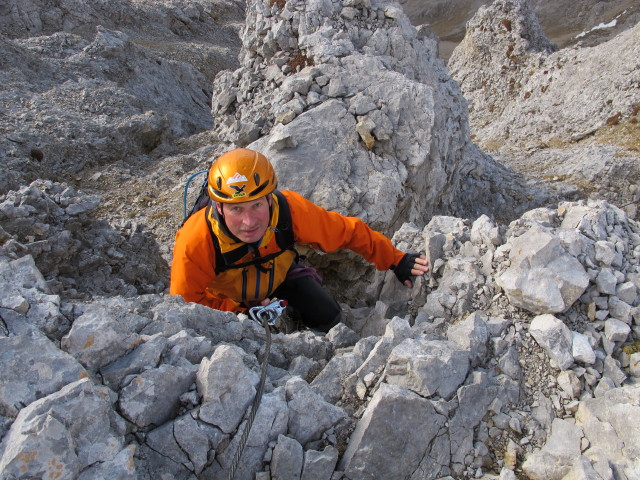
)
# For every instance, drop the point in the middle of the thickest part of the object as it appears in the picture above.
(239, 191)
(237, 178)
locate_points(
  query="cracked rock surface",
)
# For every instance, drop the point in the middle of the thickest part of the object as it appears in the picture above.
(515, 357)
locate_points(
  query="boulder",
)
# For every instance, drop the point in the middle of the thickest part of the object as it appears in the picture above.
(542, 277)
(387, 442)
(555, 338)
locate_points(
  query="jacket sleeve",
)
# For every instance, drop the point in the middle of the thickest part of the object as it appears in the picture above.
(193, 264)
(330, 231)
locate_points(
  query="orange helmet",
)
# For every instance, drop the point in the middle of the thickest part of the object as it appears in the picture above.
(241, 175)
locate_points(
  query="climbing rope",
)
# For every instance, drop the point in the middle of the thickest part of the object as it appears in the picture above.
(267, 316)
(186, 193)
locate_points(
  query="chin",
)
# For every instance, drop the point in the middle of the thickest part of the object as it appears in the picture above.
(250, 238)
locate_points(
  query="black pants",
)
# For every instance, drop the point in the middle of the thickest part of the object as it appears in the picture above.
(312, 304)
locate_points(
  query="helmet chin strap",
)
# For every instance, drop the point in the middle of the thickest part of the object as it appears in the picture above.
(270, 202)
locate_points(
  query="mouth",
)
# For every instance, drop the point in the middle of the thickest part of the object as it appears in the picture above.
(250, 232)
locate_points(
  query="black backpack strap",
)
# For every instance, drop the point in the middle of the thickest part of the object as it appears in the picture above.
(284, 228)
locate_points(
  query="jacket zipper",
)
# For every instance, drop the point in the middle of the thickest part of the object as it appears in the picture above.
(257, 292)
(272, 271)
(244, 284)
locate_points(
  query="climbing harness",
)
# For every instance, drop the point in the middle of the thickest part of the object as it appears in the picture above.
(266, 316)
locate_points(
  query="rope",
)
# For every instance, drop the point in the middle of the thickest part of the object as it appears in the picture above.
(268, 314)
(186, 191)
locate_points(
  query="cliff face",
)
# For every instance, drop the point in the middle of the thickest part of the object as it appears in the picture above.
(358, 88)
(531, 105)
(513, 80)
(516, 355)
(566, 23)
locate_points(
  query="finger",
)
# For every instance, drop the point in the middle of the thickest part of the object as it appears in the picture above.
(265, 302)
(408, 283)
(422, 260)
(419, 269)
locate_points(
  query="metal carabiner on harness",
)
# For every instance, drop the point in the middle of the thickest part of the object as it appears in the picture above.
(270, 312)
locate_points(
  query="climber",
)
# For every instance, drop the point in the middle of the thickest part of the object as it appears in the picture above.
(238, 252)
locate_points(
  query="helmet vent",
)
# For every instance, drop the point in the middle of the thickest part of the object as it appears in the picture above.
(219, 182)
(256, 178)
(259, 190)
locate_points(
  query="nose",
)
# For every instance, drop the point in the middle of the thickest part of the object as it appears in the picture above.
(249, 219)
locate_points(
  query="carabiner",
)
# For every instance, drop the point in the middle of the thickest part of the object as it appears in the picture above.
(269, 312)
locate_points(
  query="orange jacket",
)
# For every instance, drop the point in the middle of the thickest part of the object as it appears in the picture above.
(193, 267)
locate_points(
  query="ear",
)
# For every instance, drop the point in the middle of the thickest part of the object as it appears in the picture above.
(219, 208)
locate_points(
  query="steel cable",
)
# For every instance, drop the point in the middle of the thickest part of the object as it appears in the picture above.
(268, 315)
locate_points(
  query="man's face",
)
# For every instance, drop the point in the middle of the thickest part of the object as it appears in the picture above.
(247, 220)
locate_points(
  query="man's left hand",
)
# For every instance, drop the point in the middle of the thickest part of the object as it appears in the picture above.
(411, 264)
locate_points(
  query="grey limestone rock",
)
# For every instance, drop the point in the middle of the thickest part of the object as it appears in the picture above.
(306, 425)
(150, 348)
(555, 338)
(102, 334)
(319, 464)
(394, 122)
(33, 368)
(428, 367)
(387, 441)
(270, 422)
(227, 387)
(471, 334)
(542, 277)
(27, 301)
(65, 432)
(152, 398)
(288, 459)
(76, 254)
(329, 382)
(358, 113)
(581, 349)
(506, 39)
(146, 355)
(122, 467)
(608, 423)
(513, 78)
(558, 455)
